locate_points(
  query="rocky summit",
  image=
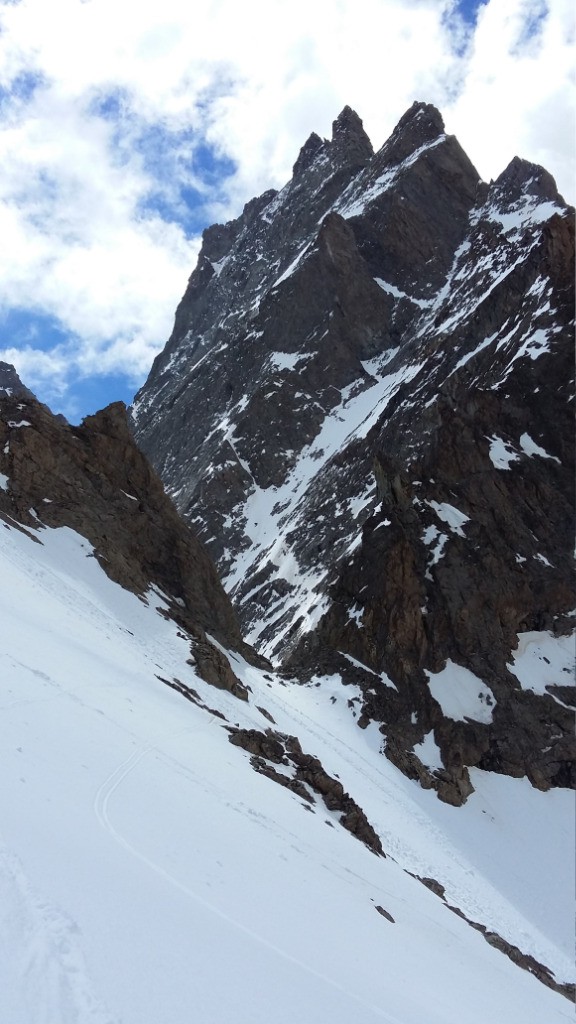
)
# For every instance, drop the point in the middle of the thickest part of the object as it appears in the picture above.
(364, 411)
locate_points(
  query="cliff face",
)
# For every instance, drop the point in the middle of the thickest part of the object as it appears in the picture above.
(469, 548)
(94, 480)
(364, 411)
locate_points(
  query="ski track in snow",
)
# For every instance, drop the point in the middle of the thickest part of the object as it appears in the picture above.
(123, 726)
(43, 968)
(101, 801)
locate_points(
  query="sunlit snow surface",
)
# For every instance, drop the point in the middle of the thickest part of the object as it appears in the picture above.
(542, 660)
(461, 694)
(149, 876)
(501, 453)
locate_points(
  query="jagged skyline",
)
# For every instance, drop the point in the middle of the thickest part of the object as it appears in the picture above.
(126, 136)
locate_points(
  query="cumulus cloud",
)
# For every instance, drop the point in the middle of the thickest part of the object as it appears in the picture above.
(519, 89)
(128, 125)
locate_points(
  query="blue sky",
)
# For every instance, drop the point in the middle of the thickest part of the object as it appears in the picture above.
(125, 135)
(469, 9)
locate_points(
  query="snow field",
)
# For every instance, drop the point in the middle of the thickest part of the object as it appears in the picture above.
(148, 875)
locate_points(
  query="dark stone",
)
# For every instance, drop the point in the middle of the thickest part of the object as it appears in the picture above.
(280, 749)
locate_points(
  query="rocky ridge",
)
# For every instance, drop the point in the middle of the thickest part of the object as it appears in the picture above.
(94, 480)
(364, 410)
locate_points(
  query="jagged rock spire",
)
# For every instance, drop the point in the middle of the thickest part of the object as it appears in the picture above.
(426, 115)
(349, 145)
(10, 383)
(348, 135)
(421, 124)
(307, 154)
(521, 177)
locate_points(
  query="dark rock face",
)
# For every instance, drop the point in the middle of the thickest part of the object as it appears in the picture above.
(364, 411)
(10, 384)
(93, 479)
(268, 748)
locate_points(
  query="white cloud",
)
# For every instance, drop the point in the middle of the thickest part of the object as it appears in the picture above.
(519, 90)
(92, 160)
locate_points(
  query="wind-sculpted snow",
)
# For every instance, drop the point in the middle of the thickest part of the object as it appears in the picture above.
(148, 874)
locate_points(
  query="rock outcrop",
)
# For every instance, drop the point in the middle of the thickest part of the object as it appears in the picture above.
(306, 775)
(94, 480)
(10, 384)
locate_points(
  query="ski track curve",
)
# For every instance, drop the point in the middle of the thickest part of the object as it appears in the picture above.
(101, 804)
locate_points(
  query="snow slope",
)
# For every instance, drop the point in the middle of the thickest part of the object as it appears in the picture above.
(149, 876)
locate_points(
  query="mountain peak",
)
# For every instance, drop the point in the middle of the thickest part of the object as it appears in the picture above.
(349, 146)
(307, 154)
(10, 383)
(359, 414)
(348, 135)
(425, 115)
(521, 177)
(421, 125)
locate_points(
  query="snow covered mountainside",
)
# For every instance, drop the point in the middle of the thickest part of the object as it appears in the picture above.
(148, 875)
(365, 410)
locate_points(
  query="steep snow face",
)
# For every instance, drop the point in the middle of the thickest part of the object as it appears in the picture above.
(148, 874)
(276, 518)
